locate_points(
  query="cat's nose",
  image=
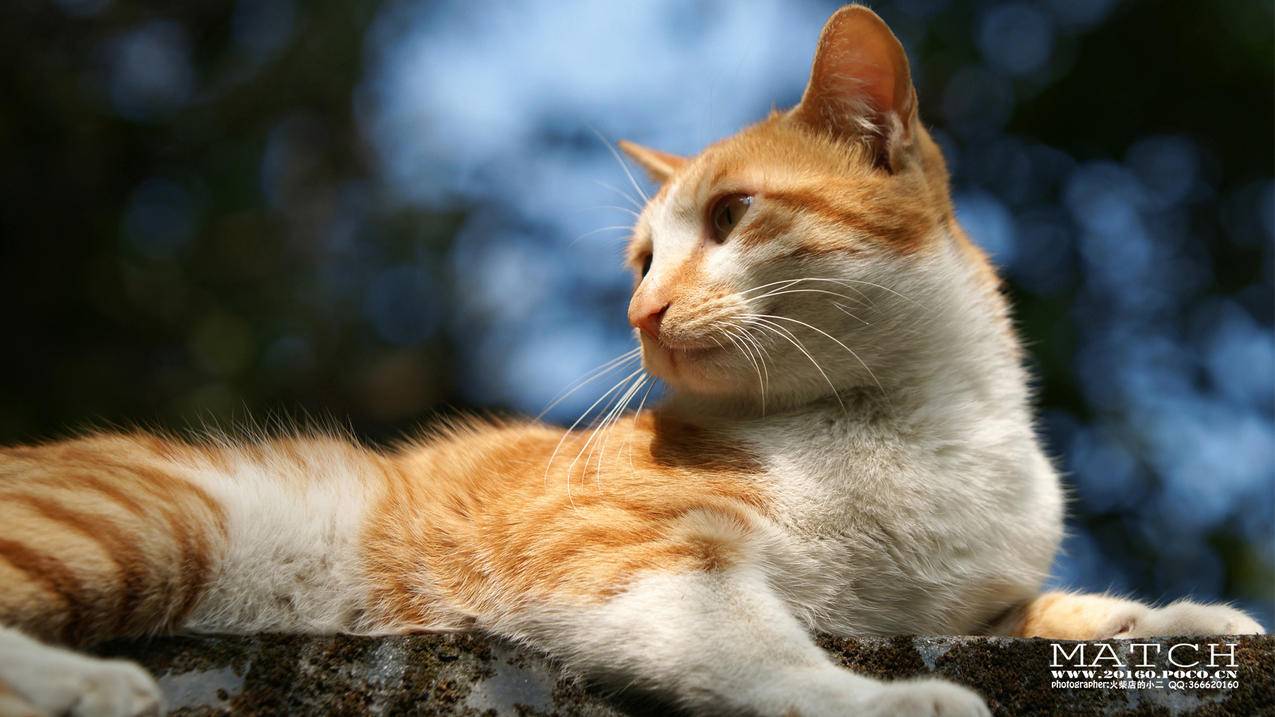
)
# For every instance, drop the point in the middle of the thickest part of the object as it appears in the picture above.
(647, 319)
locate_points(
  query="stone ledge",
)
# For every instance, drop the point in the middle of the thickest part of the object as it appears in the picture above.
(464, 674)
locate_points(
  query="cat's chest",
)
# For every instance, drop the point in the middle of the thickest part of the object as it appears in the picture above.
(827, 473)
(884, 533)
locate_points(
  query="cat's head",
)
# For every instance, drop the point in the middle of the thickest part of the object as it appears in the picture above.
(796, 255)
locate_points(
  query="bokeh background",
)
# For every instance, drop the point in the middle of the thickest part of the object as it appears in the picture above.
(380, 211)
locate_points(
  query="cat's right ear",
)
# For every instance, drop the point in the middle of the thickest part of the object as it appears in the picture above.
(860, 85)
(659, 165)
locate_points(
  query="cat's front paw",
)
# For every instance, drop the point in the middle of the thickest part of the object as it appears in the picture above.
(116, 688)
(1189, 618)
(55, 681)
(925, 698)
(834, 692)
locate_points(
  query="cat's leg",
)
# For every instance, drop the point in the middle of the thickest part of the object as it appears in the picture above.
(1074, 616)
(723, 643)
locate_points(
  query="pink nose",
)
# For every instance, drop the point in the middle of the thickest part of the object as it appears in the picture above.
(648, 320)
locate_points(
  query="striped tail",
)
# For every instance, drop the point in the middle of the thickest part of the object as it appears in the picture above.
(103, 537)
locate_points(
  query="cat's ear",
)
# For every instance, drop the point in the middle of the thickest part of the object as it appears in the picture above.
(860, 85)
(658, 165)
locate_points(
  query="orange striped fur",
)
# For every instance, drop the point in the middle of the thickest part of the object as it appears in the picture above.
(109, 535)
(102, 539)
(491, 524)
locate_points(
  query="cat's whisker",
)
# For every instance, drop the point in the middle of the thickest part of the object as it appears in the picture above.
(845, 284)
(599, 421)
(613, 207)
(802, 291)
(888, 290)
(636, 415)
(747, 336)
(744, 350)
(789, 282)
(593, 375)
(843, 310)
(623, 165)
(613, 409)
(572, 427)
(832, 338)
(615, 418)
(604, 429)
(629, 197)
(796, 342)
(599, 230)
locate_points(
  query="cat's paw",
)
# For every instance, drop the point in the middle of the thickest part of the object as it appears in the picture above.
(925, 698)
(93, 688)
(59, 682)
(1188, 618)
(834, 692)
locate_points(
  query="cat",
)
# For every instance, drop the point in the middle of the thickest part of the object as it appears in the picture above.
(846, 447)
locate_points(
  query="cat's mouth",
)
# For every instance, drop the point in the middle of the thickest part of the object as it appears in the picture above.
(675, 354)
(692, 352)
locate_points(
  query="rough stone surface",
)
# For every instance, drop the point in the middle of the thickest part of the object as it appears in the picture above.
(464, 674)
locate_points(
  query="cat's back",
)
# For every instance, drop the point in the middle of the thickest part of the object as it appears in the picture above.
(488, 514)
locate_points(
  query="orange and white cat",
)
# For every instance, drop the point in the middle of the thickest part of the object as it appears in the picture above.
(847, 447)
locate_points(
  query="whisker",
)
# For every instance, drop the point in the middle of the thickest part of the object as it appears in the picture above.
(637, 414)
(833, 339)
(614, 227)
(590, 377)
(614, 207)
(888, 289)
(572, 427)
(598, 424)
(623, 164)
(613, 409)
(629, 197)
(743, 349)
(792, 339)
(781, 292)
(842, 309)
(748, 337)
(789, 282)
(615, 418)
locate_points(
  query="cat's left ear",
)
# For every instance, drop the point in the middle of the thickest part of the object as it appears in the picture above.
(658, 165)
(860, 85)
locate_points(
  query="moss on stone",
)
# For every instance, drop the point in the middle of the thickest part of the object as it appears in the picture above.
(470, 675)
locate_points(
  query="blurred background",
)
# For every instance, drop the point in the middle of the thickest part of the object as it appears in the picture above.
(383, 211)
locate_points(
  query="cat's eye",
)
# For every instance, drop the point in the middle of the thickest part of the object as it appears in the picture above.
(646, 264)
(727, 212)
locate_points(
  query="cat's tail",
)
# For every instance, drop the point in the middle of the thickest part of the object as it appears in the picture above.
(103, 537)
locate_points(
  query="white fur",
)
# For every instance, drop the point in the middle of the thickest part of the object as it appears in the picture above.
(724, 643)
(928, 497)
(293, 558)
(53, 681)
(920, 489)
